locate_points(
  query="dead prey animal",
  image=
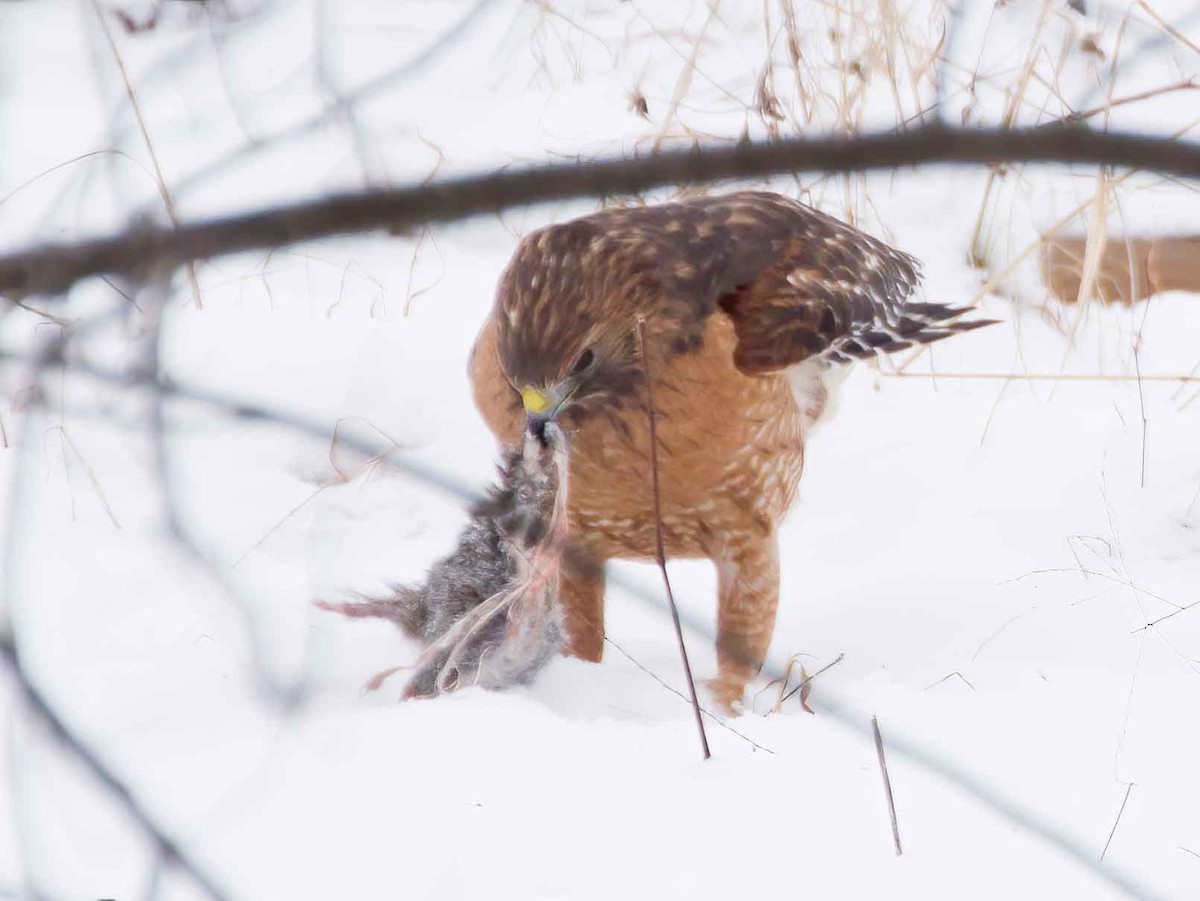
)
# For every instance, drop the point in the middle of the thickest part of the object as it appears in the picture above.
(488, 613)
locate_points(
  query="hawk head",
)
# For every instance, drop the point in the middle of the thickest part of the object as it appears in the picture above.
(566, 318)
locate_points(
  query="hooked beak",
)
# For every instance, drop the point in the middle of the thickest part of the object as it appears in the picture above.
(541, 406)
(543, 403)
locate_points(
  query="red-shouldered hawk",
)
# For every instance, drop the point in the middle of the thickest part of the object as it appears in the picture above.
(747, 300)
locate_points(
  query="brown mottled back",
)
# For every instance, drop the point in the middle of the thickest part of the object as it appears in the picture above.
(796, 282)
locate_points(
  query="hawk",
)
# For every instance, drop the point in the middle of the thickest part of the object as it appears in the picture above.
(747, 301)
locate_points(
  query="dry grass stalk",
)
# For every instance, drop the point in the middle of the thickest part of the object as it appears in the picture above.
(1117, 822)
(160, 179)
(659, 550)
(887, 785)
(978, 252)
(1097, 237)
(708, 713)
(1166, 26)
(998, 278)
(804, 686)
(1188, 84)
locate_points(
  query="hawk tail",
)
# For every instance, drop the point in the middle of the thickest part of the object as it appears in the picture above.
(918, 323)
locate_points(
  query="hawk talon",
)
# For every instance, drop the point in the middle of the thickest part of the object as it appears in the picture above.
(727, 694)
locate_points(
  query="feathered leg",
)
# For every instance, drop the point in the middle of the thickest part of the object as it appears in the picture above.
(748, 597)
(581, 593)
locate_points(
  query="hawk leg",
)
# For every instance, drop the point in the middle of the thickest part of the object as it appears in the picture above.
(748, 596)
(581, 593)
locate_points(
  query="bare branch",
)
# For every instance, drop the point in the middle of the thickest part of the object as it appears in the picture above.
(155, 291)
(54, 269)
(70, 739)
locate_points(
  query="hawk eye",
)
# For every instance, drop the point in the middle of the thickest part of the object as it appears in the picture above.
(584, 361)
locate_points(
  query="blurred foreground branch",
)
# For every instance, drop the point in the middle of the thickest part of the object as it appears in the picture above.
(930, 758)
(55, 268)
(165, 845)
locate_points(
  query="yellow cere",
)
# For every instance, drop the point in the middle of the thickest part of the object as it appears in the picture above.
(535, 401)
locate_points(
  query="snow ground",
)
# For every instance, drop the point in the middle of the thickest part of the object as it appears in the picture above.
(984, 552)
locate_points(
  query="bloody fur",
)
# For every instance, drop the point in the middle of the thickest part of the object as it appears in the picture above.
(488, 612)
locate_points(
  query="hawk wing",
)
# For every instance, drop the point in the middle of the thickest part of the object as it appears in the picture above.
(796, 283)
(800, 285)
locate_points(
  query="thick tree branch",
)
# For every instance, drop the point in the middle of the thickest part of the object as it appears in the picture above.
(54, 269)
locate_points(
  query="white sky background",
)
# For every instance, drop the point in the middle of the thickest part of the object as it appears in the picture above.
(999, 533)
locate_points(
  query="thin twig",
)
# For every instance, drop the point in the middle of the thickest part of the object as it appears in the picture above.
(455, 34)
(887, 784)
(659, 551)
(807, 679)
(1153, 623)
(168, 202)
(1148, 50)
(679, 694)
(964, 679)
(1117, 822)
(1185, 85)
(52, 269)
(36, 178)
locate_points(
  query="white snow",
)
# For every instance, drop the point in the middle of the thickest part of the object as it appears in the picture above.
(985, 553)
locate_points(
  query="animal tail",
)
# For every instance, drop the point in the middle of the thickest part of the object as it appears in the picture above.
(406, 608)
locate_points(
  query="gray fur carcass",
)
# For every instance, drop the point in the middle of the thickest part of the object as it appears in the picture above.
(488, 613)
